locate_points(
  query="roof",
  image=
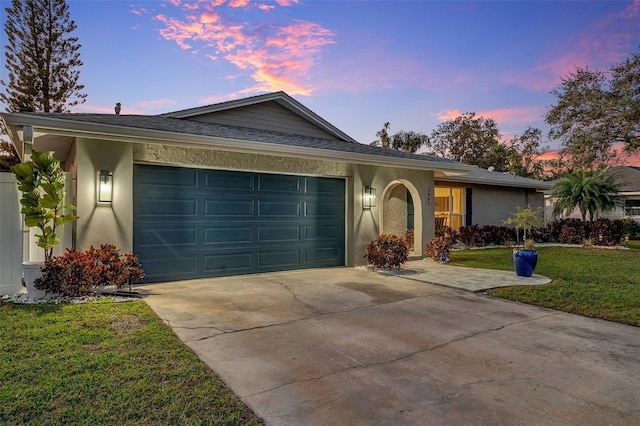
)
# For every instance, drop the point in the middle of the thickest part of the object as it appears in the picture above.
(280, 97)
(628, 177)
(485, 177)
(176, 131)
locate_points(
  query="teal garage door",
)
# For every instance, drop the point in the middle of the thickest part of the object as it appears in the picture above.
(194, 223)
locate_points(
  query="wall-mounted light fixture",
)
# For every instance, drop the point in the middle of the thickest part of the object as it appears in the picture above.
(105, 186)
(368, 197)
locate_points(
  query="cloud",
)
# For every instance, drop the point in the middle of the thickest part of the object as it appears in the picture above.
(607, 42)
(273, 56)
(514, 115)
(448, 114)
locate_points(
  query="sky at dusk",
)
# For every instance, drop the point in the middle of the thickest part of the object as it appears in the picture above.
(357, 64)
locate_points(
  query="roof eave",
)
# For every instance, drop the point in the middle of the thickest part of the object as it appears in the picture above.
(116, 133)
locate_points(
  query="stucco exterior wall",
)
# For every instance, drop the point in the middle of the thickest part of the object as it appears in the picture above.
(104, 224)
(492, 205)
(114, 223)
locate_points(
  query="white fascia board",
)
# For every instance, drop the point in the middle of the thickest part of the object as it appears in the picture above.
(496, 182)
(134, 135)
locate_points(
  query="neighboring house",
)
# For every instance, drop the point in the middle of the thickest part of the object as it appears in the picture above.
(628, 179)
(252, 185)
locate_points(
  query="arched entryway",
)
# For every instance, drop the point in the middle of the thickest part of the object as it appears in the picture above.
(401, 210)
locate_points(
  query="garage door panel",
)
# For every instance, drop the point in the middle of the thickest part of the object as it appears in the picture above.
(224, 180)
(217, 223)
(330, 187)
(279, 184)
(327, 232)
(166, 207)
(228, 235)
(324, 208)
(165, 237)
(228, 263)
(168, 177)
(322, 256)
(229, 207)
(275, 260)
(279, 209)
(172, 264)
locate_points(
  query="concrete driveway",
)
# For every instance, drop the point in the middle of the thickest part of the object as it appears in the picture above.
(345, 346)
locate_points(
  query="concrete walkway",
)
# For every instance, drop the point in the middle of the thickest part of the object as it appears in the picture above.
(346, 346)
(470, 279)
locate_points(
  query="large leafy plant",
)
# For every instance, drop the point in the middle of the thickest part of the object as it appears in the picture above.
(41, 181)
(526, 219)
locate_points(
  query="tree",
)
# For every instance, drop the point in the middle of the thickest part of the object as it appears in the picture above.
(409, 141)
(470, 140)
(596, 110)
(523, 151)
(383, 137)
(591, 191)
(42, 58)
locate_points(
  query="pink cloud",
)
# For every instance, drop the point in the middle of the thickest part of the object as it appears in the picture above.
(514, 115)
(447, 115)
(607, 42)
(275, 57)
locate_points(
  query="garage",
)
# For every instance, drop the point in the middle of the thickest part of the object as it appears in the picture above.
(194, 223)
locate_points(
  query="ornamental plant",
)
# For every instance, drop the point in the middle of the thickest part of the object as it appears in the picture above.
(77, 273)
(526, 219)
(388, 251)
(41, 181)
(437, 247)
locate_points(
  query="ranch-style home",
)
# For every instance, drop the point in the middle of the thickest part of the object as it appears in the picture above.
(252, 185)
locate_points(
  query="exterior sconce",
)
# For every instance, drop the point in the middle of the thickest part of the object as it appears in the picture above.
(105, 186)
(368, 197)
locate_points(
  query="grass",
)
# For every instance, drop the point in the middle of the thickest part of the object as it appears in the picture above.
(105, 362)
(597, 283)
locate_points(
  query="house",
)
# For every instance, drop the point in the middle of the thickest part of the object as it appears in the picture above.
(628, 180)
(251, 185)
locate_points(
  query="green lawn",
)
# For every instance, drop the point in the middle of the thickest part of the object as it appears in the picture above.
(105, 363)
(598, 283)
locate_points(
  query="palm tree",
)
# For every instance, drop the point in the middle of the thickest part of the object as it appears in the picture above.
(385, 140)
(590, 191)
(409, 141)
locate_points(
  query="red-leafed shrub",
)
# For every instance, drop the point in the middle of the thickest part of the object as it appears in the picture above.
(471, 235)
(77, 273)
(606, 232)
(436, 247)
(409, 238)
(573, 231)
(387, 251)
(73, 274)
(117, 269)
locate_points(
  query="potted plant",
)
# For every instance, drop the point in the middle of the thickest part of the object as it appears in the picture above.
(525, 257)
(41, 181)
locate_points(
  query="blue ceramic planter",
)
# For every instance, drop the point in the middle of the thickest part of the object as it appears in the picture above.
(524, 262)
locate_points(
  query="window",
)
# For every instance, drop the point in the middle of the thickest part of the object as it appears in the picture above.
(632, 207)
(449, 207)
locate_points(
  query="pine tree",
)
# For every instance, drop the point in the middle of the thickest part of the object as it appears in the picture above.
(42, 58)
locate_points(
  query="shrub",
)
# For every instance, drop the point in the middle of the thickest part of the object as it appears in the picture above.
(77, 273)
(448, 233)
(409, 238)
(631, 228)
(472, 236)
(573, 231)
(73, 274)
(117, 269)
(387, 251)
(605, 232)
(498, 235)
(436, 247)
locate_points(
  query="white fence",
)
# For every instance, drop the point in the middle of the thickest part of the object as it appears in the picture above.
(10, 235)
